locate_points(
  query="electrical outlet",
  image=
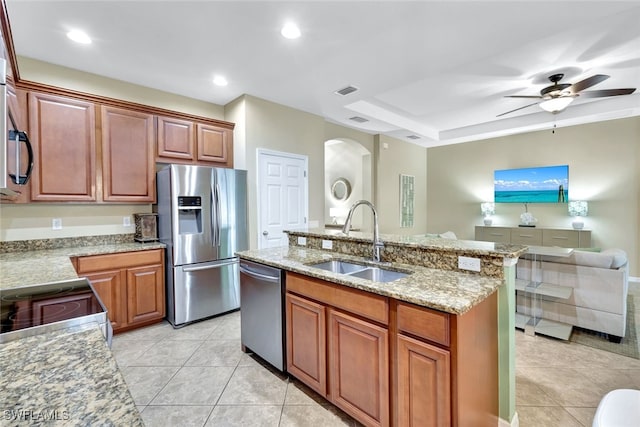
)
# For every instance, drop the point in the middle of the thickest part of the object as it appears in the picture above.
(56, 224)
(126, 221)
(327, 244)
(302, 241)
(468, 263)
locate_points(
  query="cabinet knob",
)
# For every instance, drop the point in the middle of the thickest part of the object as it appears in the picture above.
(265, 233)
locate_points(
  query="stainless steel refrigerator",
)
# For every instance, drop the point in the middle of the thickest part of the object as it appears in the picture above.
(202, 218)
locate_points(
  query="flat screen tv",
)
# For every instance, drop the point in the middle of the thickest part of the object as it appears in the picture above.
(546, 184)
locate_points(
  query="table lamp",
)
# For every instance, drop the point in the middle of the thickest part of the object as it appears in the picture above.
(578, 209)
(488, 209)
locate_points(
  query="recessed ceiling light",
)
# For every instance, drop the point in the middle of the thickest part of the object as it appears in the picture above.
(220, 81)
(79, 36)
(290, 31)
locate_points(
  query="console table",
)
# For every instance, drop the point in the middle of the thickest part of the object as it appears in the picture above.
(531, 322)
(535, 236)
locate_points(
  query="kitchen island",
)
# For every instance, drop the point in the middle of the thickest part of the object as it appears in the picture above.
(434, 347)
(66, 376)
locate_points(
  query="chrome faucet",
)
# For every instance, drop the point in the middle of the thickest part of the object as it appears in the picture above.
(377, 243)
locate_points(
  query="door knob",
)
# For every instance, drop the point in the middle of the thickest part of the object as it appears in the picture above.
(265, 233)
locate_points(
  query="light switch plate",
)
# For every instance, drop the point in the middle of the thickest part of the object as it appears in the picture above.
(302, 241)
(327, 244)
(56, 224)
(468, 263)
(126, 221)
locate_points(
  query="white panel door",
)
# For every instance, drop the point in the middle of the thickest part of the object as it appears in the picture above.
(282, 196)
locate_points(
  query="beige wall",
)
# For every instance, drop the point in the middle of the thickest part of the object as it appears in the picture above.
(395, 157)
(604, 169)
(55, 75)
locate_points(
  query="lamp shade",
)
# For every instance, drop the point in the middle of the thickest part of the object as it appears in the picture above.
(555, 105)
(578, 208)
(488, 208)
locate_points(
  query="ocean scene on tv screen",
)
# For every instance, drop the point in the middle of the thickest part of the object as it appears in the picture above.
(547, 184)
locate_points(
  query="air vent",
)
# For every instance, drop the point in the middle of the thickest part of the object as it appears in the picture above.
(413, 137)
(358, 119)
(346, 90)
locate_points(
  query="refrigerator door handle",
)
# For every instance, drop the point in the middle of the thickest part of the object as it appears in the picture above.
(216, 224)
(207, 267)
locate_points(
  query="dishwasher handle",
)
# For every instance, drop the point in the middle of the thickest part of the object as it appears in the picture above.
(256, 275)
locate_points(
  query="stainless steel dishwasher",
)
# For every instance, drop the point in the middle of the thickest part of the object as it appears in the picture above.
(262, 312)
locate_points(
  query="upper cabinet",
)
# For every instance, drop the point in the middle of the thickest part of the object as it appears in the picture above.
(128, 168)
(184, 141)
(63, 135)
(17, 108)
(176, 140)
(215, 144)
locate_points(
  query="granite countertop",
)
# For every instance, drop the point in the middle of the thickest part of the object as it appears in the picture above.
(470, 247)
(18, 269)
(449, 291)
(67, 375)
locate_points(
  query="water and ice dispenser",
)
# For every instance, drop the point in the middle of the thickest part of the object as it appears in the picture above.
(189, 214)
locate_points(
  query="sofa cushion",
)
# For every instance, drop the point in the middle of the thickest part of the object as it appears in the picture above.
(619, 257)
(609, 258)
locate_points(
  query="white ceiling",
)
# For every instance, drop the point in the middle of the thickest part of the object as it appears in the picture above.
(435, 69)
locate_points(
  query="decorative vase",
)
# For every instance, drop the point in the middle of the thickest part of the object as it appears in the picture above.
(527, 219)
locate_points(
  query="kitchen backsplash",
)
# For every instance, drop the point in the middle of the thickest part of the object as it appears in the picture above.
(64, 242)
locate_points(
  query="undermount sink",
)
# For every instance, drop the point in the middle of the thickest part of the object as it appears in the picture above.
(375, 274)
(337, 266)
(379, 274)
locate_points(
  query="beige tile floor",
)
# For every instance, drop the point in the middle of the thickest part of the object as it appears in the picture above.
(198, 376)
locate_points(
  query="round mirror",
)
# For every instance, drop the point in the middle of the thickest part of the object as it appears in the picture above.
(341, 189)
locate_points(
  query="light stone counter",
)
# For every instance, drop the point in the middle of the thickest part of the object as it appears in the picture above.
(443, 290)
(66, 377)
(19, 269)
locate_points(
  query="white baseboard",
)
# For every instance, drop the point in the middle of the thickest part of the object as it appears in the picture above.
(515, 422)
(634, 279)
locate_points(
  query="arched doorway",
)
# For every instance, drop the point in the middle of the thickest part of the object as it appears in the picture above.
(348, 176)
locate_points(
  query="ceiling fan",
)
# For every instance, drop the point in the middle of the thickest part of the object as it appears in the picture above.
(558, 96)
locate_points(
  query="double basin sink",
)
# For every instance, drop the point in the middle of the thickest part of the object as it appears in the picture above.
(376, 274)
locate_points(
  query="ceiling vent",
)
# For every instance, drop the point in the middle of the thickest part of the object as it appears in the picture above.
(413, 137)
(358, 119)
(346, 90)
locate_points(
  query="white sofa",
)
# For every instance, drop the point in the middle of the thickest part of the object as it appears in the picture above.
(599, 282)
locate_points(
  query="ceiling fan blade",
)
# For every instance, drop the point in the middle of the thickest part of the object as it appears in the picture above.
(588, 82)
(606, 92)
(524, 96)
(520, 108)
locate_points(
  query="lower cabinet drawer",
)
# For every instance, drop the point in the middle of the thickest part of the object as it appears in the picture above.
(425, 323)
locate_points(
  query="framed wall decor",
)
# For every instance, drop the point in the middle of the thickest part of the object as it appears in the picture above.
(407, 189)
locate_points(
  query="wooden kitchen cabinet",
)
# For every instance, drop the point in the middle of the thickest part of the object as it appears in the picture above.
(130, 284)
(128, 167)
(389, 362)
(17, 105)
(447, 366)
(359, 368)
(184, 141)
(176, 140)
(423, 384)
(307, 342)
(62, 132)
(214, 145)
(108, 285)
(351, 327)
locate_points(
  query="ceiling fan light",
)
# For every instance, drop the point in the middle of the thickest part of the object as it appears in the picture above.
(555, 105)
